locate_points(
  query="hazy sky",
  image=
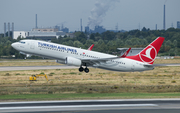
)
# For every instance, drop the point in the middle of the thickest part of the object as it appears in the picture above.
(129, 14)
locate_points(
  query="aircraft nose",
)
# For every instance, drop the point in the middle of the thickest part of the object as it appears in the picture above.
(14, 45)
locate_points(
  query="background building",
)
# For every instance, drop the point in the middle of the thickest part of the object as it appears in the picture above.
(178, 24)
(133, 51)
(21, 34)
(45, 29)
(39, 33)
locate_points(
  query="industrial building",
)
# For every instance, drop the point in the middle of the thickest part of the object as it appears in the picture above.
(97, 29)
(45, 29)
(9, 32)
(21, 34)
(178, 24)
(133, 51)
(35, 33)
(43, 35)
(66, 30)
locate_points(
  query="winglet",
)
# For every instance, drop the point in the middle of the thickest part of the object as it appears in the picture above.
(90, 48)
(125, 54)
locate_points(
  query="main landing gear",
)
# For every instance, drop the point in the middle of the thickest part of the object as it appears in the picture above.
(86, 70)
(81, 69)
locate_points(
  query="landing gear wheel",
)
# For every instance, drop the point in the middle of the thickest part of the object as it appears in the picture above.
(86, 70)
(81, 69)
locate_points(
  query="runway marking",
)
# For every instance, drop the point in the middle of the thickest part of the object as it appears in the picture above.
(80, 106)
(172, 65)
(108, 100)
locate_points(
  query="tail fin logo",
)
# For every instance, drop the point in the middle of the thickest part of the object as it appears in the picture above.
(148, 54)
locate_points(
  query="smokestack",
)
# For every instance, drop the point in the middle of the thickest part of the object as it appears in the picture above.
(156, 26)
(116, 27)
(12, 30)
(36, 21)
(8, 29)
(4, 29)
(81, 24)
(164, 21)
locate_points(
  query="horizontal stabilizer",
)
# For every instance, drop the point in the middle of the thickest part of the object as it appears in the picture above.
(148, 65)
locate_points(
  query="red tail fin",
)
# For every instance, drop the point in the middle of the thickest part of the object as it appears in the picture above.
(126, 53)
(148, 54)
(90, 48)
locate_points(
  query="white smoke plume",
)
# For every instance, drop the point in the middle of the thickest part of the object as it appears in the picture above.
(99, 11)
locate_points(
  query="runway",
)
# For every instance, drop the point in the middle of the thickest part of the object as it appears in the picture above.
(94, 106)
(166, 65)
(16, 68)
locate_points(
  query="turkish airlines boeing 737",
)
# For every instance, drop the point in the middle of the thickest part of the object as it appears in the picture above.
(81, 57)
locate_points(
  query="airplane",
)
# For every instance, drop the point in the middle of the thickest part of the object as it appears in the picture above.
(80, 57)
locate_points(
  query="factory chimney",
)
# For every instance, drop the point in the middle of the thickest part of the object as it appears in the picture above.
(81, 24)
(36, 22)
(156, 26)
(8, 29)
(164, 21)
(4, 29)
(12, 30)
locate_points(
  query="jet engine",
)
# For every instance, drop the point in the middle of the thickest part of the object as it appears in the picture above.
(60, 61)
(73, 61)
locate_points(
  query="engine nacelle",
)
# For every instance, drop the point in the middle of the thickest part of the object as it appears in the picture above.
(73, 61)
(27, 55)
(60, 61)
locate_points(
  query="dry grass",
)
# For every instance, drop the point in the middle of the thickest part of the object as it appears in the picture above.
(161, 79)
(167, 61)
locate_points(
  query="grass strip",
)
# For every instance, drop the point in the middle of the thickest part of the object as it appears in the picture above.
(88, 96)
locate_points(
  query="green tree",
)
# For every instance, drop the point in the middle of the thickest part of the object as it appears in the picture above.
(88, 43)
(92, 36)
(77, 44)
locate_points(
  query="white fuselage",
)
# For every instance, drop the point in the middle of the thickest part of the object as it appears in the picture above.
(61, 52)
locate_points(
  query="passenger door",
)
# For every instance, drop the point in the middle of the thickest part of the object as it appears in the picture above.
(133, 66)
(32, 45)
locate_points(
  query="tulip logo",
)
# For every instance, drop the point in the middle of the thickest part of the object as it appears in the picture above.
(148, 54)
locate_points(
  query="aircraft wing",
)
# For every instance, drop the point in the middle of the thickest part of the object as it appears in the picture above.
(91, 62)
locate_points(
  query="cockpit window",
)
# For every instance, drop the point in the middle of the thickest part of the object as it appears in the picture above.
(22, 42)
